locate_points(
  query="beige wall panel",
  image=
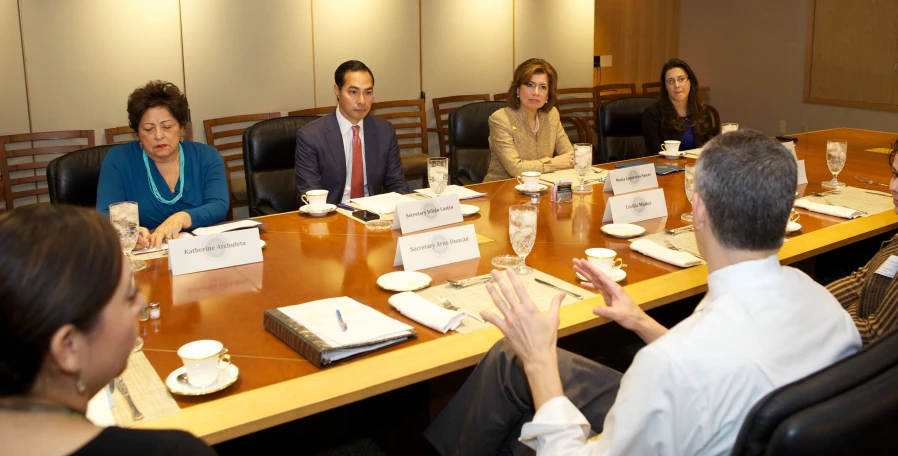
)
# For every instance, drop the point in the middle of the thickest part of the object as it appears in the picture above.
(13, 101)
(752, 55)
(478, 57)
(381, 33)
(84, 58)
(559, 31)
(246, 57)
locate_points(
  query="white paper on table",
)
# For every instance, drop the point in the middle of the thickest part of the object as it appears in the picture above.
(98, 410)
(385, 203)
(363, 323)
(223, 227)
(463, 192)
(164, 245)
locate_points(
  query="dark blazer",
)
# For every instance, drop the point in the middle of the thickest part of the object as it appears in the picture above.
(655, 134)
(321, 162)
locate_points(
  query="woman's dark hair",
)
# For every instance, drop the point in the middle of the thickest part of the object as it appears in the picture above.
(893, 153)
(522, 75)
(61, 265)
(695, 107)
(155, 94)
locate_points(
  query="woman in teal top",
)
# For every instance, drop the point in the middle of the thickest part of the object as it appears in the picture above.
(177, 184)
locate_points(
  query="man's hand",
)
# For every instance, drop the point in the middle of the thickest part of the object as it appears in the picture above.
(618, 305)
(530, 333)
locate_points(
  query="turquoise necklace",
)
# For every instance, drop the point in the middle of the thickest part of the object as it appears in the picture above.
(153, 184)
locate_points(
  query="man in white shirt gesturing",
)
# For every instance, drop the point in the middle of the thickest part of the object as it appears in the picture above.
(760, 326)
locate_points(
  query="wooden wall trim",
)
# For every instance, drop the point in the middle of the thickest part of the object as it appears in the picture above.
(809, 51)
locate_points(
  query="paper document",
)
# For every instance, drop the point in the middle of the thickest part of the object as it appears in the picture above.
(223, 227)
(384, 203)
(164, 245)
(363, 323)
(463, 192)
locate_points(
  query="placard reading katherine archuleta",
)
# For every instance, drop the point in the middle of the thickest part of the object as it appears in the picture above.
(426, 214)
(436, 248)
(635, 207)
(214, 251)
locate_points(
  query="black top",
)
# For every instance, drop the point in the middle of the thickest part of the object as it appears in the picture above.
(654, 133)
(141, 442)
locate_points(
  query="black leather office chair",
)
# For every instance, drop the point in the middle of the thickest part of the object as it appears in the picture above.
(469, 141)
(269, 151)
(850, 407)
(73, 177)
(619, 124)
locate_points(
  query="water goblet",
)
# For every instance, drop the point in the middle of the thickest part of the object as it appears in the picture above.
(690, 189)
(126, 221)
(438, 174)
(582, 163)
(836, 155)
(728, 127)
(522, 232)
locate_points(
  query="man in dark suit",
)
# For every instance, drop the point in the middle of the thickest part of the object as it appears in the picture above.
(347, 152)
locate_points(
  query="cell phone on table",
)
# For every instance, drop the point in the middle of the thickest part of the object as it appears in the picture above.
(365, 215)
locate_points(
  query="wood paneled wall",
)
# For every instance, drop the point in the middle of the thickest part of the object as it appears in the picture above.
(640, 35)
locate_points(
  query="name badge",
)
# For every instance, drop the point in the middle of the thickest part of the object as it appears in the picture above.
(425, 214)
(436, 248)
(889, 268)
(214, 251)
(636, 207)
(802, 173)
(632, 179)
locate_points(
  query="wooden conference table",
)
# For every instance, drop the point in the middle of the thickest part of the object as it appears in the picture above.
(314, 258)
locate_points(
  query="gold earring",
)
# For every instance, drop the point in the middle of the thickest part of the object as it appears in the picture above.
(79, 385)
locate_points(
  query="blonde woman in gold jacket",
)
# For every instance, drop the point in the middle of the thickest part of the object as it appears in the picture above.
(527, 135)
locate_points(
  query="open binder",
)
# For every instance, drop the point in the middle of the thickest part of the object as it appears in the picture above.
(287, 324)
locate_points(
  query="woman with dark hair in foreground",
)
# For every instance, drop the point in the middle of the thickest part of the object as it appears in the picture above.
(67, 328)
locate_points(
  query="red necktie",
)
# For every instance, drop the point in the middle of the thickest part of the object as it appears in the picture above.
(357, 186)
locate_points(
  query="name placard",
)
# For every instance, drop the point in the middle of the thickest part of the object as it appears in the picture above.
(635, 207)
(631, 179)
(426, 214)
(436, 248)
(802, 173)
(214, 251)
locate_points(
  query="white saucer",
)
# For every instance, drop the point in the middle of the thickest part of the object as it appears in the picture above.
(678, 154)
(539, 189)
(328, 208)
(792, 227)
(616, 275)
(226, 379)
(623, 230)
(469, 209)
(403, 281)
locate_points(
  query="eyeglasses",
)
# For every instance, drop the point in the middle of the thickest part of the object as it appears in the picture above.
(682, 80)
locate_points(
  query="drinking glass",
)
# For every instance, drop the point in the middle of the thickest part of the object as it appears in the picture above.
(836, 154)
(582, 163)
(126, 220)
(522, 231)
(690, 189)
(438, 174)
(728, 127)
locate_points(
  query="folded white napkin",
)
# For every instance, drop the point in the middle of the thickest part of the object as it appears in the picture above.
(836, 211)
(674, 257)
(426, 312)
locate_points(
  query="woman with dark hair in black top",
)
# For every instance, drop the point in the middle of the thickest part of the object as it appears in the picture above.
(68, 305)
(678, 115)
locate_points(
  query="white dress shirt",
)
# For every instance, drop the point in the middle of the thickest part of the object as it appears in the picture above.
(760, 326)
(346, 133)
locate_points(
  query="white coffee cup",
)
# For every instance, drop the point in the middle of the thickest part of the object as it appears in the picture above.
(530, 179)
(671, 147)
(316, 199)
(204, 361)
(604, 259)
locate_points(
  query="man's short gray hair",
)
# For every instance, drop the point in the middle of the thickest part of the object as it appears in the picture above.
(747, 182)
